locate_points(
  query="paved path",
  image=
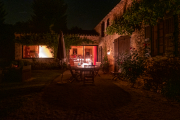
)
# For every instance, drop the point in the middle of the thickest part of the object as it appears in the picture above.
(99, 101)
(106, 100)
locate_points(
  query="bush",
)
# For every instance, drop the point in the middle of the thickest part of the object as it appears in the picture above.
(12, 75)
(165, 75)
(132, 65)
(45, 66)
(4, 63)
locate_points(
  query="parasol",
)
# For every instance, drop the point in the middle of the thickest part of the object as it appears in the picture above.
(61, 53)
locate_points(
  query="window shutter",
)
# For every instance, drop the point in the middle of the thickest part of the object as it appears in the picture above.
(161, 38)
(124, 44)
(148, 32)
(155, 40)
(100, 54)
(169, 25)
(169, 36)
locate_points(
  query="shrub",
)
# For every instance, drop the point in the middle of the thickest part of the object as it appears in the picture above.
(4, 63)
(165, 75)
(36, 65)
(132, 65)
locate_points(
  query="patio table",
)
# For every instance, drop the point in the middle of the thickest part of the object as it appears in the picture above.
(82, 69)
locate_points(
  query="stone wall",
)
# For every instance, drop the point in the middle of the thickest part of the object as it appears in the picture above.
(108, 40)
(136, 41)
(18, 51)
(117, 10)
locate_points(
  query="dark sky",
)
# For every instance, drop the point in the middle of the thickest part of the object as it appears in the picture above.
(85, 14)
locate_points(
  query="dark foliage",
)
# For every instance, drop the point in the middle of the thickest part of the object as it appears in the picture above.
(49, 15)
(165, 75)
(2, 13)
(6, 38)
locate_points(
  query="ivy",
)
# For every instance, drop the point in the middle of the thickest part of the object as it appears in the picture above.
(146, 12)
(51, 40)
(75, 40)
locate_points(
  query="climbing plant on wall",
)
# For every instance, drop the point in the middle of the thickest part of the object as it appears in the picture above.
(146, 12)
(75, 40)
(51, 40)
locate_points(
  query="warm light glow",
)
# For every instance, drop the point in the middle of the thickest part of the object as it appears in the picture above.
(84, 64)
(88, 60)
(108, 52)
(45, 52)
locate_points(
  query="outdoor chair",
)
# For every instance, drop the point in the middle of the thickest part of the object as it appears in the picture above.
(117, 75)
(89, 75)
(71, 62)
(76, 64)
(75, 75)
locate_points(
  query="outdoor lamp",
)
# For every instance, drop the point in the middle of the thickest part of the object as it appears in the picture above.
(108, 52)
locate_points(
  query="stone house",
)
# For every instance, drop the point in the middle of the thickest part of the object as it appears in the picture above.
(160, 39)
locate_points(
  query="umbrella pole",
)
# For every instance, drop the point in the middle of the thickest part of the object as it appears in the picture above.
(62, 71)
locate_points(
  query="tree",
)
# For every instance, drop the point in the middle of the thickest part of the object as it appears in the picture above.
(49, 15)
(6, 38)
(2, 13)
(23, 27)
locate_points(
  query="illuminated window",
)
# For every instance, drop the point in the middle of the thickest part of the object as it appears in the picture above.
(37, 51)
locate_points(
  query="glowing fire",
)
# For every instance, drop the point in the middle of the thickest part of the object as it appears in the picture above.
(45, 52)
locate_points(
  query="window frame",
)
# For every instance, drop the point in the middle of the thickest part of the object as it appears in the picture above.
(165, 26)
(38, 51)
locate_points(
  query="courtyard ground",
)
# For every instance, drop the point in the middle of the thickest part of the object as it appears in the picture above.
(42, 98)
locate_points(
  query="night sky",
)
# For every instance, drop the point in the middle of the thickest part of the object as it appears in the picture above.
(85, 14)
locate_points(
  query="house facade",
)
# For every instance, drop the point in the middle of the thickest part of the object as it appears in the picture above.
(160, 40)
(42, 54)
